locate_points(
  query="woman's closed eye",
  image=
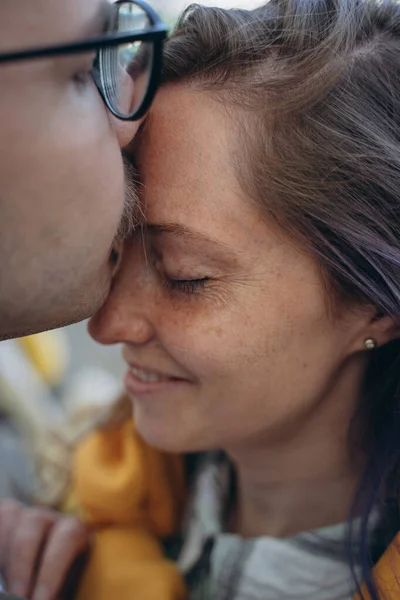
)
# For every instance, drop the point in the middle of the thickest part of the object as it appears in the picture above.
(176, 277)
(181, 282)
(185, 286)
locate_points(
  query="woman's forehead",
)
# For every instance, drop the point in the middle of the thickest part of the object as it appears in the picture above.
(186, 135)
(188, 177)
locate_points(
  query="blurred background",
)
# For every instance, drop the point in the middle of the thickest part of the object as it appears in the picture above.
(171, 9)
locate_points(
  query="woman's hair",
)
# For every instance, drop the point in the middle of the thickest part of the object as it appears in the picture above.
(318, 86)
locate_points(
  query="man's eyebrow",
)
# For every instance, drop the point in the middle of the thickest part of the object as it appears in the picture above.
(101, 20)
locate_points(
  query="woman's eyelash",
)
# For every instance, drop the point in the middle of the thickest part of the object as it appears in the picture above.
(185, 286)
(182, 286)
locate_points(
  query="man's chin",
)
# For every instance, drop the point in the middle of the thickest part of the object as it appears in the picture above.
(60, 314)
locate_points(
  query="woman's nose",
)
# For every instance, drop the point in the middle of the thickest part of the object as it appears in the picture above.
(124, 316)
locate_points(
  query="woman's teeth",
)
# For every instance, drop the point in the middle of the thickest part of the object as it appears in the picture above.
(148, 376)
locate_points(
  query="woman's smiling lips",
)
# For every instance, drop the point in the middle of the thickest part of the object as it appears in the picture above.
(141, 381)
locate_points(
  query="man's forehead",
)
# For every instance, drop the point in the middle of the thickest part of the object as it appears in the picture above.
(46, 22)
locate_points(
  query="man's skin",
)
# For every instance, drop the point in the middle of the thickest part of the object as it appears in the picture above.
(61, 171)
(62, 197)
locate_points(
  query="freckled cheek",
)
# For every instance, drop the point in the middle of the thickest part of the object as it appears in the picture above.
(209, 349)
(198, 345)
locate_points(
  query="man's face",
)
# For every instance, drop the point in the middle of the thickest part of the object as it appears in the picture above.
(61, 171)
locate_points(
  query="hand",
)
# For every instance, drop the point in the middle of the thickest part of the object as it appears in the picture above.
(37, 548)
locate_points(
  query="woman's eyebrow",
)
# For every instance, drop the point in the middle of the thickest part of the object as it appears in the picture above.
(190, 235)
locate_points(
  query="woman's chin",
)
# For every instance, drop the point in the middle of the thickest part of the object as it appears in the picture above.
(161, 435)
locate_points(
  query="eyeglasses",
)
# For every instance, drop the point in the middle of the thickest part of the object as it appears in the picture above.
(127, 66)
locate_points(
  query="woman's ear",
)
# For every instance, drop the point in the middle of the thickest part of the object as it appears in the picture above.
(382, 329)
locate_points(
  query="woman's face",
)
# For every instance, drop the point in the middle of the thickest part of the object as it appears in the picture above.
(223, 319)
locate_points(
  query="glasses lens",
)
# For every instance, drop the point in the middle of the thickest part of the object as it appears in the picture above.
(125, 70)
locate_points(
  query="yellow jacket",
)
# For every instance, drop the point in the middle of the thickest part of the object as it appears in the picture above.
(133, 495)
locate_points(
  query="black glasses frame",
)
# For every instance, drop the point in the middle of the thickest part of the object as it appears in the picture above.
(155, 34)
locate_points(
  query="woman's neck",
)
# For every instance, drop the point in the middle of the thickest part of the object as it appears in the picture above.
(306, 478)
(282, 508)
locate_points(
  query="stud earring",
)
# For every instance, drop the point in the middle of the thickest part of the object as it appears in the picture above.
(370, 344)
